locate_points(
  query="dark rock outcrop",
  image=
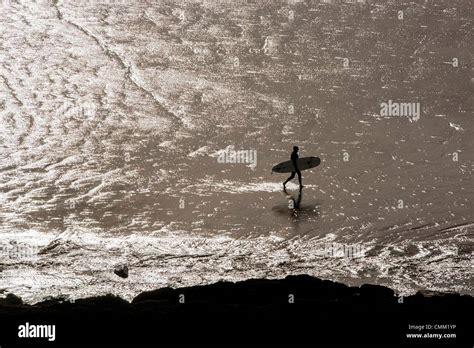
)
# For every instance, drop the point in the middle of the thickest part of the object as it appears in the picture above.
(297, 309)
(11, 300)
(121, 271)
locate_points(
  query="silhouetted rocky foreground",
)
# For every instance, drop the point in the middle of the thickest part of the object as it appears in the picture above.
(248, 311)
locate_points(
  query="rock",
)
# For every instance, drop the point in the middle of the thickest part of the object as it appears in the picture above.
(11, 300)
(293, 308)
(121, 271)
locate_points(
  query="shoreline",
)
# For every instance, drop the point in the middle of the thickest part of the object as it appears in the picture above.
(79, 264)
(247, 309)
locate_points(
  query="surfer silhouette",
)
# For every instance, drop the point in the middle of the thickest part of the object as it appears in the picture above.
(294, 159)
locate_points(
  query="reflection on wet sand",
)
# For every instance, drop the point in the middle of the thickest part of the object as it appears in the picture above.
(303, 215)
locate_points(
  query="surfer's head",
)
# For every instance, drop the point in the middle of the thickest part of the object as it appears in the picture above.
(295, 148)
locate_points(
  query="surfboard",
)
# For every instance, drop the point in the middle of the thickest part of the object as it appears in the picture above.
(303, 164)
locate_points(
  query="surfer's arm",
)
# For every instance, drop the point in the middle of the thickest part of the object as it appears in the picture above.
(295, 163)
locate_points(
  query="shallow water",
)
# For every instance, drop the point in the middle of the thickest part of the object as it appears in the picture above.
(112, 115)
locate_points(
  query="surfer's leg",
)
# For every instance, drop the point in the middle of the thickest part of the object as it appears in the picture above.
(291, 177)
(299, 178)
